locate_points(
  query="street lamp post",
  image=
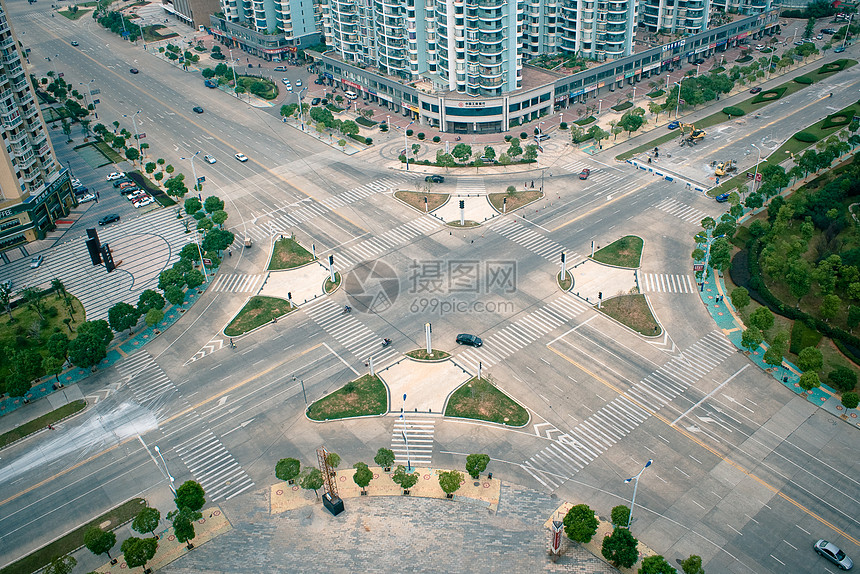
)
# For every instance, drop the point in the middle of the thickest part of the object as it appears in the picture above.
(678, 103)
(540, 129)
(90, 90)
(169, 476)
(847, 30)
(406, 152)
(634, 94)
(134, 123)
(301, 111)
(403, 432)
(599, 106)
(755, 176)
(142, 37)
(233, 67)
(635, 486)
(560, 118)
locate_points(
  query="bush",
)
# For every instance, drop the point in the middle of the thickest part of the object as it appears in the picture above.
(836, 120)
(834, 66)
(850, 400)
(620, 515)
(562, 126)
(656, 93)
(584, 121)
(803, 80)
(436, 139)
(580, 523)
(733, 111)
(409, 132)
(802, 337)
(421, 135)
(524, 136)
(805, 137)
(843, 379)
(769, 95)
(508, 138)
(622, 106)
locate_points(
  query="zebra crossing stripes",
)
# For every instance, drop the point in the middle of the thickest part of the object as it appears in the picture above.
(665, 283)
(522, 332)
(350, 332)
(571, 452)
(371, 248)
(531, 240)
(471, 185)
(236, 283)
(412, 440)
(214, 467)
(147, 381)
(678, 209)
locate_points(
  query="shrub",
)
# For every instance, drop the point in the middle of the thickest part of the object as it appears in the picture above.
(524, 136)
(621, 107)
(835, 66)
(409, 132)
(843, 378)
(421, 135)
(803, 80)
(850, 400)
(805, 137)
(802, 337)
(656, 93)
(769, 95)
(436, 139)
(584, 121)
(836, 120)
(508, 138)
(620, 515)
(733, 111)
(562, 126)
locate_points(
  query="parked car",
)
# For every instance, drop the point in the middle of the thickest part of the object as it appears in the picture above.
(76, 182)
(755, 90)
(126, 191)
(209, 158)
(299, 83)
(759, 47)
(134, 70)
(722, 198)
(137, 196)
(241, 157)
(467, 339)
(74, 42)
(435, 178)
(839, 50)
(119, 182)
(315, 101)
(143, 202)
(674, 125)
(36, 261)
(281, 68)
(210, 83)
(798, 43)
(820, 37)
(108, 219)
(485, 159)
(828, 31)
(834, 554)
(698, 62)
(584, 173)
(285, 81)
(127, 184)
(197, 110)
(81, 190)
(86, 198)
(115, 175)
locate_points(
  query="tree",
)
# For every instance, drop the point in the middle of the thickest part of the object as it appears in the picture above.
(99, 541)
(620, 515)
(489, 152)
(830, 306)
(384, 457)
(218, 240)
(53, 366)
(850, 400)
(740, 297)
(809, 380)
(123, 316)
(6, 298)
(476, 464)
(146, 520)
(580, 523)
(773, 355)
(363, 475)
(843, 378)
(33, 297)
(132, 154)
(721, 254)
(87, 349)
(762, 318)
(167, 278)
(183, 524)
(853, 316)
(58, 345)
(27, 363)
(333, 459)
(190, 495)
(213, 204)
(192, 205)
(61, 565)
(404, 479)
(174, 295)
(175, 185)
(17, 385)
(620, 548)
(194, 279)
(150, 299)
(449, 481)
(656, 565)
(138, 551)
(311, 479)
(153, 317)
(287, 469)
(692, 565)
(810, 359)
(462, 152)
(531, 152)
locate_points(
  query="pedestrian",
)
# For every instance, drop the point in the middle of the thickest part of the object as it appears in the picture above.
(231, 343)
(533, 184)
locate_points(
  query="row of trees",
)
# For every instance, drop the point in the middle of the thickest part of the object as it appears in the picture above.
(310, 478)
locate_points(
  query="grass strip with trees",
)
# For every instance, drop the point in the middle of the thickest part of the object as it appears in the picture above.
(41, 422)
(364, 396)
(258, 311)
(416, 199)
(479, 399)
(75, 539)
(632, 311)
(287, 254)
(515, 199)
(624, 252)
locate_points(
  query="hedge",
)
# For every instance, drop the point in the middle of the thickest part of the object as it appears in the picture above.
(656, 93)
(834, 66)
(802, 337)
(361, 120)
(621, 107)
(836, 120)
(803, 80)
(775, 94)
(744, 59)
(584, 121)
(805, 137)
(361, 139)
(733, 111)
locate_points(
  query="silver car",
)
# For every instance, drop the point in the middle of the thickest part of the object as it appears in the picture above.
(832, 553)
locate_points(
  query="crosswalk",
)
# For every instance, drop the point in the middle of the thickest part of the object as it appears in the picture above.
(597, 175)
(678, 209)
(412, 440)
(665, 283)
(533, 241)
(521, 333)
(236, 283)
(471, 186)
(285, 218)
(349, 331)
(570, 452)
(370, 249)
(207, 459)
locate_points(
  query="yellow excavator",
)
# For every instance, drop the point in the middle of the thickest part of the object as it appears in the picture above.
(725, 167)
(694, 137)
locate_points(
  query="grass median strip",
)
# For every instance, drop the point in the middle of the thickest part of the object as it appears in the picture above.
(43, 421)
(633, 311)
(361, 397)
(287, 254)
(416, 199)
(421, 355)
(257, 311)
(479, 399)
(75, 539)
(515, 199)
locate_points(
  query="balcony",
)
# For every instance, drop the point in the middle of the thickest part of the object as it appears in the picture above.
(11, 120)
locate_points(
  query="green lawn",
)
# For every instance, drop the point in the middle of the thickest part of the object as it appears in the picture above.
(416, 199)
(75, 539)
(625, 252)
(515, 200)
(566, 282)
(256, 312)
(270, 93)
(361, 397)
(73, 15)
(480, 400)
(288, 254)
(633, 311)
(421, 355)
(42, 422)
(329, 286)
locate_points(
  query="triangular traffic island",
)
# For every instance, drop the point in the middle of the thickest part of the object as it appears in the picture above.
(363, 397)
(513, 200)
(479, 399)
(426, 383)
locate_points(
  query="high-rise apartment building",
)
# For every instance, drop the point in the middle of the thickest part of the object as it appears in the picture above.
(270, 29)
(677, 17)
(598, 30)
(34, 191)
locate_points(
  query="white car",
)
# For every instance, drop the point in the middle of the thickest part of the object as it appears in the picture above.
(241, 157)
(137, 196)
(209, 158)
(116, 175)
(285, 81)
(86, 198)
(143, 202)
(76, 182)
(760, 47)
(36, 261)
(299, 83)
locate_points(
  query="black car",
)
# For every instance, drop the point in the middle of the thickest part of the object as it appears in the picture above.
(119, 182)
(197, 110)
(108, 219)
(699, 62)
(134, 71)
(467, 339)
(435, 179)
(81, 190)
